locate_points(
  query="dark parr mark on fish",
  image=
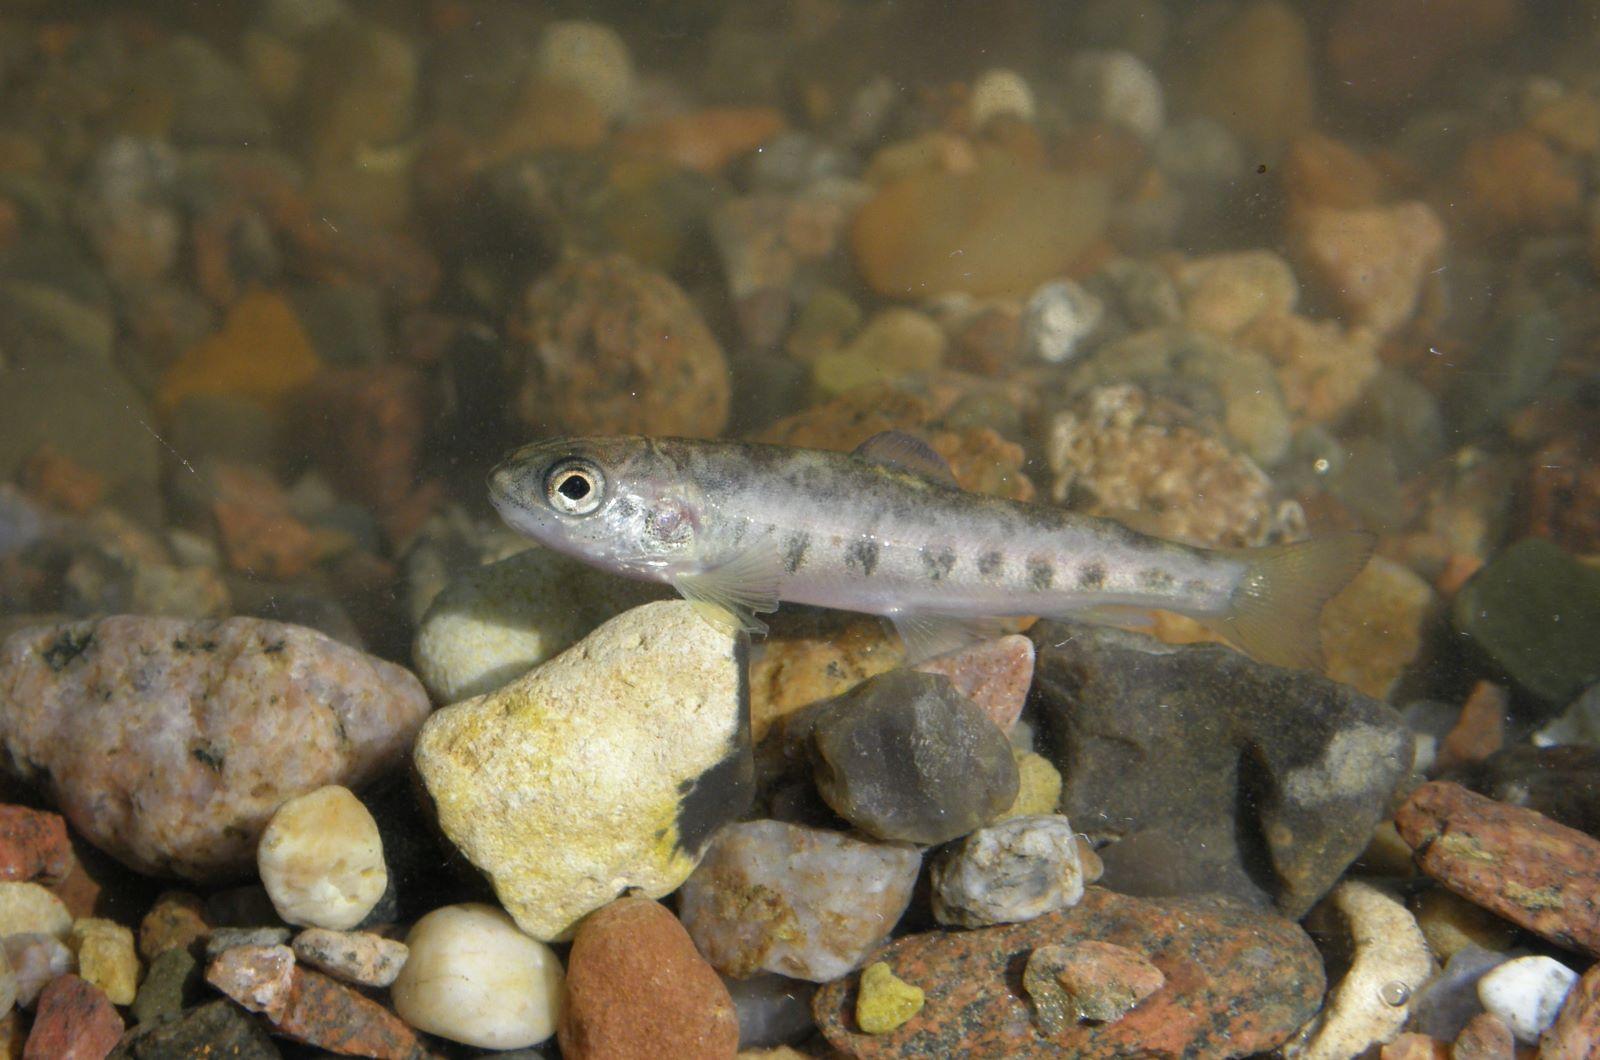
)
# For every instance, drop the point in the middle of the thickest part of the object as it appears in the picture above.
(1092, 576)
(939, 561)
(794, 551)
(862, 555)
(990, 563)
(1196, 587)
(1041, 574)
(1156, 578)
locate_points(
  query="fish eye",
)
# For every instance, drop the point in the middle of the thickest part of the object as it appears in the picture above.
(574, 487)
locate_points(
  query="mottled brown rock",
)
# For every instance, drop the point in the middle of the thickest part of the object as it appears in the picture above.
(637, 987)
(1485, 1037)
(164, 742)
(602, 345)
(33, 846)
(330, 1016)
(1371, 261)
(177, 920)
(260, 978)
(1237, 982)
(355, 956)
(1575, 1035)
(1411, 1046)
(74, 1021)
(1512, 861)
(1479, 731)
(1087, 981)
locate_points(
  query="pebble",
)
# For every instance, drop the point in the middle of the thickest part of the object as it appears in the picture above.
(904, 756)
(894, 343)
(884, 1001)
(1450, 923)
(1238, 982)
(1579, 723)
(607, 768)
(1058, 318)
(1120, 449)
(1577, 1027)
(808, 661)
(1014, 228)
(1374, 629)
(1016, 870)
(8, 988)
(216, 704)
(176, 920)
(353, 956)
(1189, 716)
(1119, 89)
(106, 958)
(321, 859)
(1225, 293)
(1512, 861)
(1084, 981)
(808, 903)
(589, 57)
(1038, 787)
(260, 978)
(260, 352)
(33, 846)
(1485, 1037)
(35, 960)
(1371, 261)
(331, 1016)
(1516, 182)
(1390, 962)
(601, 345)
(1445, 1004)
(219, 1028)
(1534, 611)
(74, 1021)
(607, 1010)
(29, 908)
(994, 674)
(473, 978)
(1000, 92)
(169, 985)
(1254, 74)
(1527, 993)
(224, 939)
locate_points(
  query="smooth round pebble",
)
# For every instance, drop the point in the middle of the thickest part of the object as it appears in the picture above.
(321, 860)
(1016, 870)
(473, 978)
(1057, 319)
(999, 92)
(1527, 994)
(1119, 89)
(589, 57)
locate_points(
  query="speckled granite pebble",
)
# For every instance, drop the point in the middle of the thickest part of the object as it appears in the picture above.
(1237, 982)
(355, 956)
(163, 741)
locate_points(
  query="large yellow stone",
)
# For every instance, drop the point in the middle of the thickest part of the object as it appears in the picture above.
(605, 769)
(106, 958)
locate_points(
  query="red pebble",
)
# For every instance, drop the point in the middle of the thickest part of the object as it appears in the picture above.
(33, 846)
(329, 1016)
(74, 1021)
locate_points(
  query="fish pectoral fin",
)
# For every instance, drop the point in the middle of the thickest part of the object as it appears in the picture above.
(744, 585)
(929, 635)
(907, 452)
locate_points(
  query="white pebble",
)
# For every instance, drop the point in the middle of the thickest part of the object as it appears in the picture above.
(34, 960)
(473, 978)
(1000, 92)
(1057, 318)
(321, 860)
(1119, 89)
(589, 57)
(1527, 993)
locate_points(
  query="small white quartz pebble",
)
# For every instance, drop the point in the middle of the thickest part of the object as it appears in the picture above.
(1527, 993)
(589, 57)
(321, 860)
(1057, 318)
(1119, 89)
(1000, 91)
(473, 978)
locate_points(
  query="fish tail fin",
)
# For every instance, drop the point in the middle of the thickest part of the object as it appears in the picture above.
(1274, 610)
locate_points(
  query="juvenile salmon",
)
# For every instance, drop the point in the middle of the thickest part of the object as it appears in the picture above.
(886, 531)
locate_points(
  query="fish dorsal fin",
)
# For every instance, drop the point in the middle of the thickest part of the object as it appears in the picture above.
(907, 452)
(739, 588)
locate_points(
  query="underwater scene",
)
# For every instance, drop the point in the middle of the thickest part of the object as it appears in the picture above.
(796, 529)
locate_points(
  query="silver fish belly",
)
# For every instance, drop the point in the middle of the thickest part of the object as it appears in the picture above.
(885, 530)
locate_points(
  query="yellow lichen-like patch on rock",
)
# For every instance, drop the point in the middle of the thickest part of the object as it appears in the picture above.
(886, 1001)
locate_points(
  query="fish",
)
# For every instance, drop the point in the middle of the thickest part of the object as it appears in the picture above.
(739, 527)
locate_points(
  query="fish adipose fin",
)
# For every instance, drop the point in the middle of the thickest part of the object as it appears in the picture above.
(907, 452)
(735, 591)
(1274, 611)
(926, 636)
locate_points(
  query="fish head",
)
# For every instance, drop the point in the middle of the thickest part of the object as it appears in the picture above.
(621, 504)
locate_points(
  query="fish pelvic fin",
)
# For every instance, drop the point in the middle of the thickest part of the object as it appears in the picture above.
(737, 589)
(1274, 611)
(926, 636)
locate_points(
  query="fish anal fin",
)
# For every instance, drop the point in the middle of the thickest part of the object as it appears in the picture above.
(907, 452)
(1275, 608)
(742, 586)
(929, 635)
